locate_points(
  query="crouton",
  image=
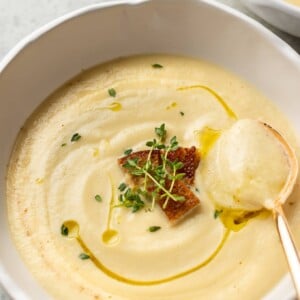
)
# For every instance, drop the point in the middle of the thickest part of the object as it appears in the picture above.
(190, 158)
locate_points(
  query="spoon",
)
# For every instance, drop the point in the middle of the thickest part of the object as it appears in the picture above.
(286, 237)
(252, 167)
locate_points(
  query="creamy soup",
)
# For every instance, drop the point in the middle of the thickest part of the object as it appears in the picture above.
(63, 179)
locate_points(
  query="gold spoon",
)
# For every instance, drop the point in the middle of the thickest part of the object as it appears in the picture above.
(228, 163)
(286, 237)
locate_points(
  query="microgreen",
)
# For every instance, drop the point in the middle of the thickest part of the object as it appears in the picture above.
(127, 151)
(63, 145)
(157, 66)
(154, 228)
(131, 199)
(64, 230)
(217, 213)
(75, 137)
(98, 198)
(161, 132)
(112, 92)
(84, 256)
(122, 187)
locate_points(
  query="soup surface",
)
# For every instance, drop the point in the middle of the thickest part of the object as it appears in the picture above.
(66, 219)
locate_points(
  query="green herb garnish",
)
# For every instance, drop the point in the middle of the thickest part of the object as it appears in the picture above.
(84, 256)
(127, 151)
(157, 66)
(181, 113)
(217, 213)
(98, 198)
(161, 132)
(131, 199)
(112, 92)
(155, 181)
(154, 228)
(122, 187)
(75, 137)
(63, 145)
(64, 230)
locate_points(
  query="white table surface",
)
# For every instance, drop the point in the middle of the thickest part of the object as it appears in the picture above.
(20, 17)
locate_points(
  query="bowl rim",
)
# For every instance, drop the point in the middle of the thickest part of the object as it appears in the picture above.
(36, 34)
(6, 281)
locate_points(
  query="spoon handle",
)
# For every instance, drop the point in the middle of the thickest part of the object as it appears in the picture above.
(289, 246)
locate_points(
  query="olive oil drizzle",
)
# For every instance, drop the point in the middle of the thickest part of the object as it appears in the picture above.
(207, 137)
(236, 219)
(114, 106)
(233, 220)
(74, 233)
(221, 101)
(110, 236)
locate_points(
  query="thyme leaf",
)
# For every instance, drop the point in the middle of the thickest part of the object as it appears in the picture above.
(122, 187)
(127, 151)
(157, 66)
(112, 92)
(217, 213)
(75, 137)
(154, 228)
(84, 256)
(98, 198)
(64, 230)
(131, 199)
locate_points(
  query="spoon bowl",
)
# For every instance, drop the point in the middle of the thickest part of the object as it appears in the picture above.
(293, 168)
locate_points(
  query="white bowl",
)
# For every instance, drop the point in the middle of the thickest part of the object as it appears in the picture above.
(53, 54)
(279, 13)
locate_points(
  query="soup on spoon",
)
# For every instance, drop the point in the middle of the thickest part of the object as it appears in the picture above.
(252, 167)
(247, 167)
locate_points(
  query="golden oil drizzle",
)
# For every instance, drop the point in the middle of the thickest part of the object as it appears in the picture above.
(236, 219)
(221, 101)
(207, 137)
(110, 236)
(172, 105)
(74, 233)
(39, 180)
(233, 220)
(115, 106)
(95, 152)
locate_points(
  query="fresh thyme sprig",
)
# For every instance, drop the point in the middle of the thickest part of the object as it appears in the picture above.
(159, 180)
(130, 198)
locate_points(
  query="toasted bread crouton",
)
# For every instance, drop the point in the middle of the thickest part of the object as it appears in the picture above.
(176, 210)
(190, 158)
